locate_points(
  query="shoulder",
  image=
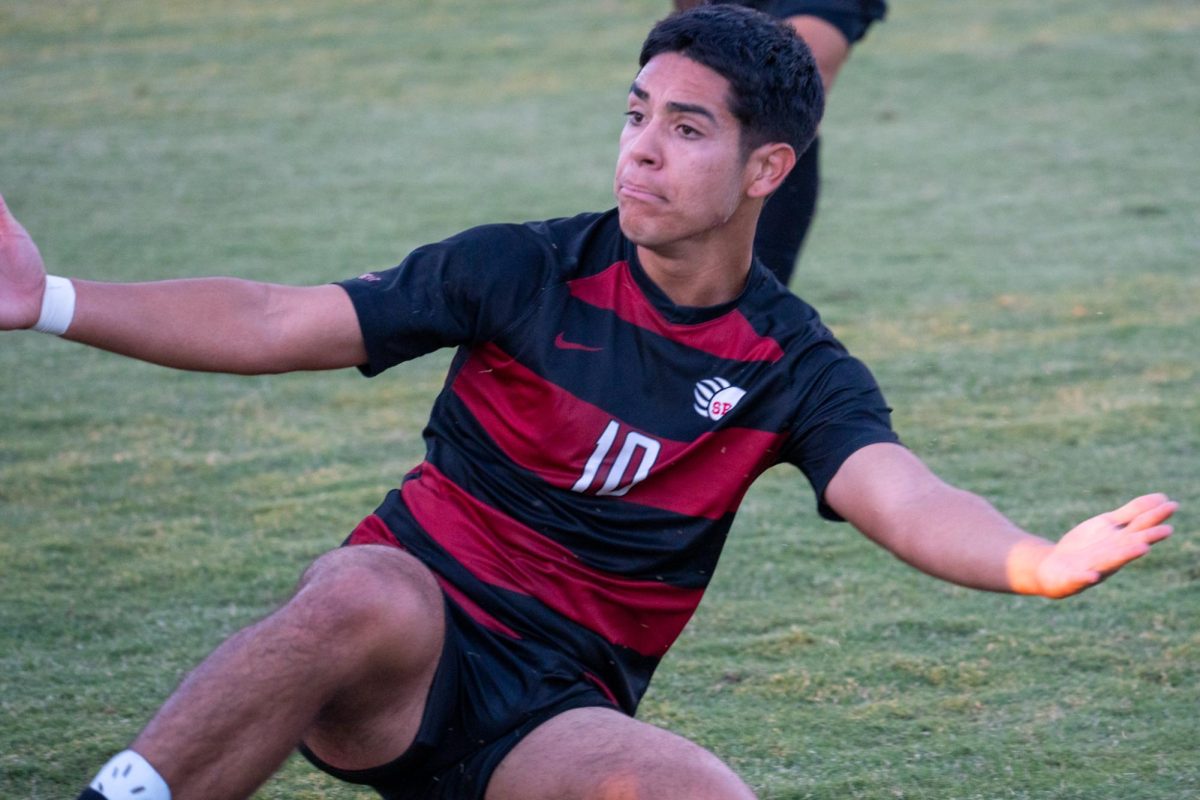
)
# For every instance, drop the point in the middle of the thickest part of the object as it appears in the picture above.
(583, 240)
(774, 311)
(819, 369)
(558, 244)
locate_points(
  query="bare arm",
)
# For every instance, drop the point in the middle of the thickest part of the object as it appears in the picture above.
(211, 324)
(891, 496)
(220, 324)
(827, 44)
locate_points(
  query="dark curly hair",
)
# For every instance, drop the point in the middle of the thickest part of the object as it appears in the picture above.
(776, 91)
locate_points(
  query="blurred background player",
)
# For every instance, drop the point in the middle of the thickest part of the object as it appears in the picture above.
(830, 28)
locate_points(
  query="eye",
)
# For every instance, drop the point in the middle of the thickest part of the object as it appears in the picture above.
(634, 117)
(688, 131)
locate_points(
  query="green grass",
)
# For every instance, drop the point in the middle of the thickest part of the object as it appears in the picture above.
(1009, 235)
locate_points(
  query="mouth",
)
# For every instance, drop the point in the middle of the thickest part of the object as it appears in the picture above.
(633, 191)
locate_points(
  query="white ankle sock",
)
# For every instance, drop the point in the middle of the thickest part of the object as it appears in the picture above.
(128, 776)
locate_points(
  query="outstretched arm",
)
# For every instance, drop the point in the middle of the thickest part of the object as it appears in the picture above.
(891, 496)
(211, 324)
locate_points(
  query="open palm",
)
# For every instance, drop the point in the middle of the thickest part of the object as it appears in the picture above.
(1095, 549)
(22, 274)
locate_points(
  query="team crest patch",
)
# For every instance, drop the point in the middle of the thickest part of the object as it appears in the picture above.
(716, 397)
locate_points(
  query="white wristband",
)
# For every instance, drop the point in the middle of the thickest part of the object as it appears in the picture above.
(58, 306)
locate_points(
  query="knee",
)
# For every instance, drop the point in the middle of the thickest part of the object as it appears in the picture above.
(698, 782)
(692, 775)
(370, 591)
(601, 754)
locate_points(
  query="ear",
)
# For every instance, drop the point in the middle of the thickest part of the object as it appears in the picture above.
(767, 166)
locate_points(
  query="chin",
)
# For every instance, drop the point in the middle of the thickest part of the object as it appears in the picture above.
(641, 236)
(640, 228)
(633, 227)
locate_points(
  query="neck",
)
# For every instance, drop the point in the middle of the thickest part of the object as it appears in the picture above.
(697, 280)
(702, 271)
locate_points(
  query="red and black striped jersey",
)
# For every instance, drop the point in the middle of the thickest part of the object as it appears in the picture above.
(593, 440)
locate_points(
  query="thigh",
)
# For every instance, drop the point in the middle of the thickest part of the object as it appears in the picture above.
(489, 692)
(391, 605)
(591, 753)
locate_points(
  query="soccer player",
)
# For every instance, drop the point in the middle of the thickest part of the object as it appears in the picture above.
(830, 28)
(621, 378)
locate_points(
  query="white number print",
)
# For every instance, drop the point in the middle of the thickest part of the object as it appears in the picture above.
(633, 445)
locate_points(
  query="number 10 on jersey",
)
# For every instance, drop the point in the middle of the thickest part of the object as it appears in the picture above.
(633, 462)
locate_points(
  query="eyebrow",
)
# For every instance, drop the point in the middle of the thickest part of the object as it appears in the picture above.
(674, 107)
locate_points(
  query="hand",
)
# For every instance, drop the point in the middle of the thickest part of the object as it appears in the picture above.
(1097, 548)
(22, 274)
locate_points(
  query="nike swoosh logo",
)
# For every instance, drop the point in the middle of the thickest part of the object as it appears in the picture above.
(562, 344)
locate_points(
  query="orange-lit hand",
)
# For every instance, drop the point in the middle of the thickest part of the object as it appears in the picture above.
(1097, 548)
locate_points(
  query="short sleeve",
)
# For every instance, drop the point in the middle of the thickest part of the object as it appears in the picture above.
(459, 291)
(842, 410)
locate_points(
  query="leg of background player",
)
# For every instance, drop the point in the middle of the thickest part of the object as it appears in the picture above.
(345, 664)
(788, 214)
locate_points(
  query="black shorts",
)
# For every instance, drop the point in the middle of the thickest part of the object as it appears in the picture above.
(851, 17)
(489, 692)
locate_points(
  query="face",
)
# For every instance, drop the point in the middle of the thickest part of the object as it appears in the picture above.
(681, 173)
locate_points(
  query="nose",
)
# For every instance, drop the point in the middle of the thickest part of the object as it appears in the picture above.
(643, 145)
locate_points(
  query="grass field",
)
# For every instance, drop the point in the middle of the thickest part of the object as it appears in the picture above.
(1009, 236)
